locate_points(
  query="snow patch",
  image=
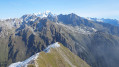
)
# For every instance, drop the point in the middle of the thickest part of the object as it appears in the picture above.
(15, 64)
(94, 29)
(24, 63)
(78, 29)
(55, 45)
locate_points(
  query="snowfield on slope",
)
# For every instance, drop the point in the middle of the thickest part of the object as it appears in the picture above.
(24, 63)
(55, 45)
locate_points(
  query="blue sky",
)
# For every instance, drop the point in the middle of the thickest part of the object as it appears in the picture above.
(84, 8)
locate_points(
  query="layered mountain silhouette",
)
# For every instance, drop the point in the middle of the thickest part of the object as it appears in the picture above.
(95, 42)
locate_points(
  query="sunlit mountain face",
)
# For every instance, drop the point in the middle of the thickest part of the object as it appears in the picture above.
(96, 43)
(51, 56)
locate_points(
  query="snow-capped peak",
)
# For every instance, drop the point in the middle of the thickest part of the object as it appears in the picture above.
(34, 57)
(44, 14)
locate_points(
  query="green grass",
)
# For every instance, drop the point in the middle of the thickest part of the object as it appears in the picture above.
(59, 57)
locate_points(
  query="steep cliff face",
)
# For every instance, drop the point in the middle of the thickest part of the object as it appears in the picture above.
(91, 41)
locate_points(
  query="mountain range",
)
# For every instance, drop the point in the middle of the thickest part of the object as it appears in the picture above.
(110, 21)
(95, 42)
